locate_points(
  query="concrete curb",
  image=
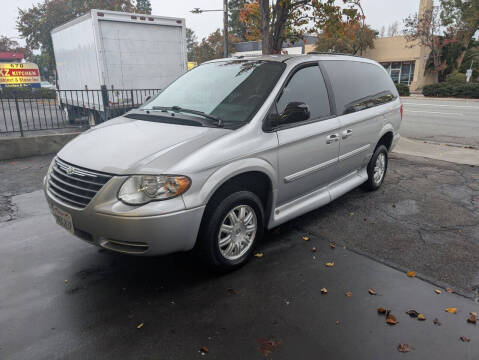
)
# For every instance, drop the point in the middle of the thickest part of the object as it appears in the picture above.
(19, 147)
(435, 98)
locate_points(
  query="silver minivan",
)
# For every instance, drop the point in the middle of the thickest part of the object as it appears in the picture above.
(231, 148)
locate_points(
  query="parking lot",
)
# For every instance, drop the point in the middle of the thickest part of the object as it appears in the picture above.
(68, 299)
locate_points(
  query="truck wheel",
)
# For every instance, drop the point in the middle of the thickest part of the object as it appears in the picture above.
(230, 230)
(377, 168)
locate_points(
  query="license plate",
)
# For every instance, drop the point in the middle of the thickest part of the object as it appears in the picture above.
(63, 218)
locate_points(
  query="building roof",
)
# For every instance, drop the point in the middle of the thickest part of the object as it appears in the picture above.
(11, 55)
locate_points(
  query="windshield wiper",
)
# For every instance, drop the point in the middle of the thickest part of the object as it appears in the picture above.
(217, 121)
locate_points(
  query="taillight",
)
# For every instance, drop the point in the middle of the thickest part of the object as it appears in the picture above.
(401, 110)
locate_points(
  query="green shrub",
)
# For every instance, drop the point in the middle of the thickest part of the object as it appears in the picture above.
(403, 90)
(456, 78)
(27, 93)
(466, 90)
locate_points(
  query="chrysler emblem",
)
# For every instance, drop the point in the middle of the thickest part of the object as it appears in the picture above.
(70, 170)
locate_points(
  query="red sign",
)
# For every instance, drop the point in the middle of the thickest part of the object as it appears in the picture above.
(21, 72)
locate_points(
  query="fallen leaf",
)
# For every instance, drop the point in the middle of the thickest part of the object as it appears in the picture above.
(381, 310)
(464, 339)
(332, 245)
(330, 264)
(411, 273)
(404, 348)
(371, 291)
(231, 291)
(421, 317)
(437, 291)
(204, 349)
(451, 310)
(436, 322)
(412, 313)
(472, 319)
(324, 291)
(348, 293)
(449, 290)
(259, 255)
(313, 249)
(306, 238)
(268, 346)
(391, 319)
(139, 326)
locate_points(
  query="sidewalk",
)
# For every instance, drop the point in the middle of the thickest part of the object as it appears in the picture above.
(444, 152)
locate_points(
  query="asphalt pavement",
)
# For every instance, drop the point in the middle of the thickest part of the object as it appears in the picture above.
(62, 298)
(441, 120)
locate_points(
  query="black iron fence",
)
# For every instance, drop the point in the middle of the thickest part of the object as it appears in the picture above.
(24, 110)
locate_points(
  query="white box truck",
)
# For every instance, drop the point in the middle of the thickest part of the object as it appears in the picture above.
(118, 53)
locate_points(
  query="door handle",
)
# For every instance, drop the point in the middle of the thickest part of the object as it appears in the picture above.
(347, 133)
(332, 138)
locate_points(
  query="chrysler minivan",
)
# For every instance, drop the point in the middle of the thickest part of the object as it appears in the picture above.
(231, 148)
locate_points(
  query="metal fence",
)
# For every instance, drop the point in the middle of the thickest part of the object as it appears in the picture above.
(23, 110)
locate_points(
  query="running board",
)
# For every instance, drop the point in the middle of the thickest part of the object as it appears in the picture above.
(317, 198)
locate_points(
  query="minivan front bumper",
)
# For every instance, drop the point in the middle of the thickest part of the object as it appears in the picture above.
(164, 233)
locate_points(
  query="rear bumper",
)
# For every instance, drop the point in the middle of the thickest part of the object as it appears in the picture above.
(138, 235)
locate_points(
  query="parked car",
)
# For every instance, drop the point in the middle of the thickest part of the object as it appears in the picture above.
(231, 148)
(47, 85)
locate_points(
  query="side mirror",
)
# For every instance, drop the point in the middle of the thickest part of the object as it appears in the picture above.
(295, 112)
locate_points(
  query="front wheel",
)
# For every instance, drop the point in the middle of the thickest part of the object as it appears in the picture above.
(232, 227)
(377, 168)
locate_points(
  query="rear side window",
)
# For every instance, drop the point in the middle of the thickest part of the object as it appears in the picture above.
(307, 86)
(358, 85)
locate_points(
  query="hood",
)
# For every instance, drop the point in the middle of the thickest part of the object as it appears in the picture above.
(125, 146)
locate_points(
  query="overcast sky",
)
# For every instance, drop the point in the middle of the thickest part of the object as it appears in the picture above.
(378, 13)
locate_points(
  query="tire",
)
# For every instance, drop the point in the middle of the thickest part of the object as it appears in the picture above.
(218, 213)
(374, 182)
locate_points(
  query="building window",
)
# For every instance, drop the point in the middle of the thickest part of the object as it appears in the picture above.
(400, 71)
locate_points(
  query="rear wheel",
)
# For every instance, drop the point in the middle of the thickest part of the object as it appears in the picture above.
(377, 168)
(232, 227)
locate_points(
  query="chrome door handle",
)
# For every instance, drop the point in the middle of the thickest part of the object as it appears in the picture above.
(332, 138)
(347, 133)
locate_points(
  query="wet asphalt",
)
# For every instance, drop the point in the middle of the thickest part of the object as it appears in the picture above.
(62, 298)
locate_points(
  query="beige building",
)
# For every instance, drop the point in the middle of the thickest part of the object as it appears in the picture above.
(404, 61)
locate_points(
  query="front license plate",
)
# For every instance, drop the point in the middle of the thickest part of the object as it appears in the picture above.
(63, 218)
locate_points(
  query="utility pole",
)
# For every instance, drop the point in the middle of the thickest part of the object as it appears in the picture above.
(225, 28)
(225, 11)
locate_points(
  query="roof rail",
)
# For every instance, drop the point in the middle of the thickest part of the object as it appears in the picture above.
(332, 53)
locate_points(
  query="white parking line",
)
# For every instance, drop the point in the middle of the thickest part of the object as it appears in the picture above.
(443, 105)
(434, 112)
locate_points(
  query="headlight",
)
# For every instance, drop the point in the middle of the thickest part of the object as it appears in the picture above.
(141, 189)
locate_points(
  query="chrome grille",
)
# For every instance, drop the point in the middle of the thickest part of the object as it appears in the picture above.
(74, 185)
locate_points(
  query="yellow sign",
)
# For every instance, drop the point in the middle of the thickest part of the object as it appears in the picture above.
(191, 64)
(19, 74)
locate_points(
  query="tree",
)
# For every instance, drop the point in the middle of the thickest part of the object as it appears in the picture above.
(35, 23)
(191, 43)
(250, 17)
(393, 29)
(237, 27)
(382, 32)
(426, 31)
(461, 17)
(291, 19)
(211, 47)
(143, 7)
(352, 39)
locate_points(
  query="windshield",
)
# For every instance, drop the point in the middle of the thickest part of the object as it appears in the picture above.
(228, 90)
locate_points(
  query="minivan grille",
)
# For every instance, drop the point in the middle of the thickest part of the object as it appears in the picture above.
(74, 185)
